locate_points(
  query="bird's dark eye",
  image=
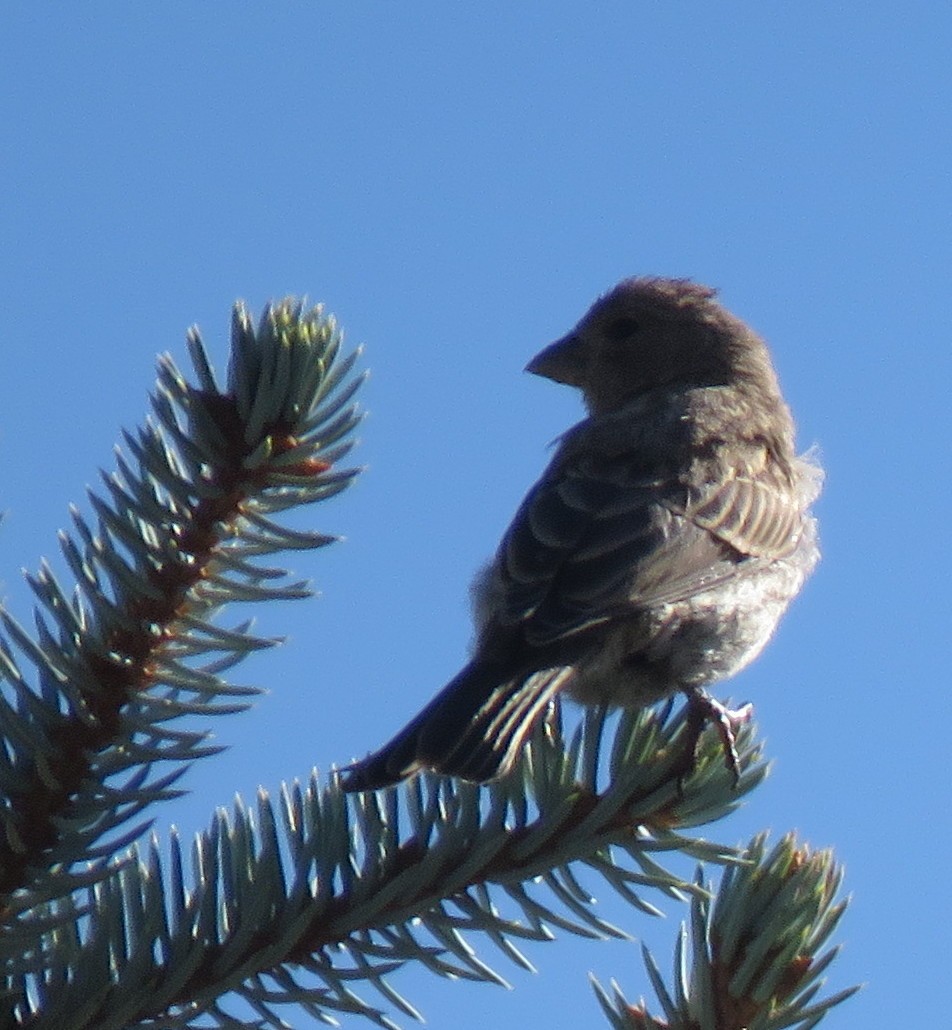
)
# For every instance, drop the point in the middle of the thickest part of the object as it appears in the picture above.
(621, 328)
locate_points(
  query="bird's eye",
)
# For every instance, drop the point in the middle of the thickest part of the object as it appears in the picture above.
(621, 328)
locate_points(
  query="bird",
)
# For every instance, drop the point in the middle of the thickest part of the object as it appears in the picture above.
(656, 553)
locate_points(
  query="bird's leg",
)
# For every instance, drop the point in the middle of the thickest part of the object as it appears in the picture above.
(702, 708)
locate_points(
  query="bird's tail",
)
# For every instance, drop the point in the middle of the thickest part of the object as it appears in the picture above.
(474, 728)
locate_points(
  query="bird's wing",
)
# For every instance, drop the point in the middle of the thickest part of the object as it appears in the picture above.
(757, 513)
(597, 537)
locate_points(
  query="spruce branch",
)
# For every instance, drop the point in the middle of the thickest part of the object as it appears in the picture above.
(302, 901)
(131, 648)
(754, 948)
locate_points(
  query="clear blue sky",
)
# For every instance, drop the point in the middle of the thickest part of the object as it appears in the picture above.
(458, 182)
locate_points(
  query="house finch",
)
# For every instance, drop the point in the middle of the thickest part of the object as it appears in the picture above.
(656, 553)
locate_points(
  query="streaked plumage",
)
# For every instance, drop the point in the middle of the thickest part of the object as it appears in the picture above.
(657, 551)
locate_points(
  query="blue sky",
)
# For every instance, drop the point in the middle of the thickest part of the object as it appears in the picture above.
(458, 182)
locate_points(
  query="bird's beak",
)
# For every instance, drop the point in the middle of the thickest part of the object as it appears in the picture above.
(562, 361)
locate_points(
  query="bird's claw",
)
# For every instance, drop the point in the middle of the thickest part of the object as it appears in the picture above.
(703, 709)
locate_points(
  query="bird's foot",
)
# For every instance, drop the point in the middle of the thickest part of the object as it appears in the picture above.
(703, 709)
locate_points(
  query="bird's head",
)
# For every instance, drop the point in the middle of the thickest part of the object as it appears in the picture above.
(648, 334)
